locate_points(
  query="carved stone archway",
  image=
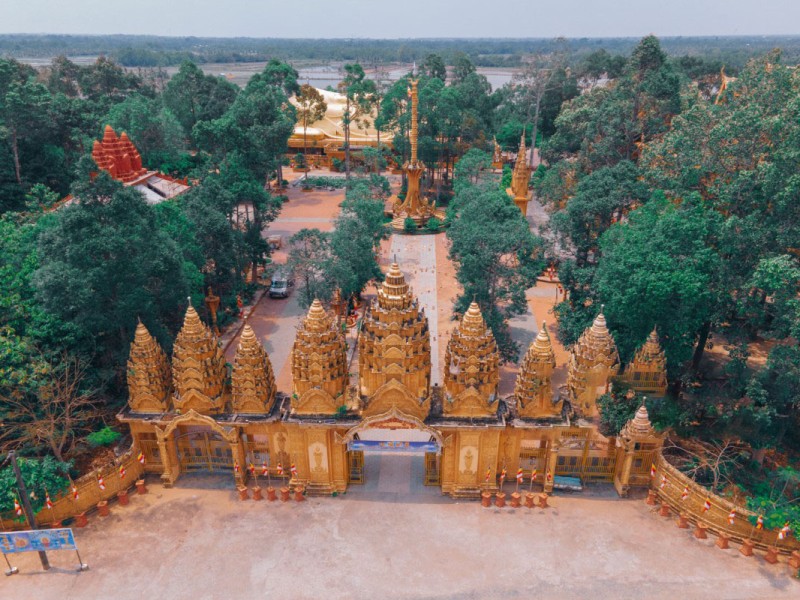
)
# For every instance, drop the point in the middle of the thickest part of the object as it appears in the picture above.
(169, 461)
(386, 420)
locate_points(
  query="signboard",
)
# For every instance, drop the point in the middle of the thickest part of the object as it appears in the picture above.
(377, 446)
(37, 541)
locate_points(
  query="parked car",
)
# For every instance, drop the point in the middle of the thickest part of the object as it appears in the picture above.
(282, 281)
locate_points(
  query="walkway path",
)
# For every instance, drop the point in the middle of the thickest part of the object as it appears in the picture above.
(416, 256)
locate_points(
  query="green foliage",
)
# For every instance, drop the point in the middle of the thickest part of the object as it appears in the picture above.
(309, 253)
(103, 437)
(325, 182)
(193, 96)
(497, 258)
(433, 224)
(409, 225)
(506, 177)
(616, 409)
(40, 476)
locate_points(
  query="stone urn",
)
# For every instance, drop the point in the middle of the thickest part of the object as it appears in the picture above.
(102, 508)
(530, 498)
(257, 493)
(298, 494)
(285, 494)
(122, 497)
(486, 499)
(515, 500)
(271, 494)
(244, 492)
(500, 499)
(81, 520)
(141, 487)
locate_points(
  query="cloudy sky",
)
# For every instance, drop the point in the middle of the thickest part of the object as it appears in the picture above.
(404, 18)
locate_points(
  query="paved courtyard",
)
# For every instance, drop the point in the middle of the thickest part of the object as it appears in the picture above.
(390, 539)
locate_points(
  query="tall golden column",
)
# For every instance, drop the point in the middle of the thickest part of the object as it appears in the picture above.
(521, 178)
(414, 206)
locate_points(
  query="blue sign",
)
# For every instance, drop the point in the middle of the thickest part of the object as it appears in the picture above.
(393, 446)
(37, 541)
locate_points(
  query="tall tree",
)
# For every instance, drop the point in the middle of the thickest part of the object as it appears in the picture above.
(309, 253)
(311, 107)
(358, 92)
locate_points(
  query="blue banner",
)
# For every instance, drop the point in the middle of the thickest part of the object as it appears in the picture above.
(36, 541)
(377, 446)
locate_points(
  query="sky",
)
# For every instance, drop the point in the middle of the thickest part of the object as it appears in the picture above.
(402, 19)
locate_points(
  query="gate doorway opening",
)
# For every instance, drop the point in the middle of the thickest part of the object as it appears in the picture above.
(396, 461)
(202, 450)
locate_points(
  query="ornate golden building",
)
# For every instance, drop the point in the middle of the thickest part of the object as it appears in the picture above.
(319, 365)
(308, 440)
(414, 206)
(520, 178)
(198, 367)
(472, 369)
(592, 362)
(534, 391)
(647, 372)
(394, 348)
(252, 381)
(148, 374)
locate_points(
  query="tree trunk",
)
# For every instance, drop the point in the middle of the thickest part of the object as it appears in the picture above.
(305, 149)
(15, 151)
(380, 154)
(705, 330)
(534, 131)
(346, 124)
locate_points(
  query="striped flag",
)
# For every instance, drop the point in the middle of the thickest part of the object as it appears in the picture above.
(74, 492)
(663, 481)
(488, 474)
(706, 505)
(549, 475)
(264, 469)
(17, 508)
(760, 522)
(784, 531)
(101, 482)
(47, 501)
(280, 469)
(502, 475)
(519, 475)
(236, 468)
(140, 457)
(252, 468)
(652, 470)
(122, 472)
(732, 516)
(533, 475)
(685, 493)
(293, 470)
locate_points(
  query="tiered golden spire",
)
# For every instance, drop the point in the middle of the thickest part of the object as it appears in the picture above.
(394, 344)
(647, 372)
(319, 364)
(521, 176)
(148, 374)
(472, 368)
(198, 367)
(252, 379)
(639, 426)
(533, 390)
(593, 361)
(414, 206)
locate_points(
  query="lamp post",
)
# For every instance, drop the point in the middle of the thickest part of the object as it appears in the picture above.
(26, 504)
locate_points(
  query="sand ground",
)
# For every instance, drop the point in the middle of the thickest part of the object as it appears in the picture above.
(390, 538)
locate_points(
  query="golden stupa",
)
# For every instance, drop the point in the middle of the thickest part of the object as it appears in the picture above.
(592, 362)
(148, 374)
(472, 368)
(198, 367)
(319, 364)
(252, 380)
(533, 390)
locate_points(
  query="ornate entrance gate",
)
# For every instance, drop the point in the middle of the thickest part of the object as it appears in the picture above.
(204, 450)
